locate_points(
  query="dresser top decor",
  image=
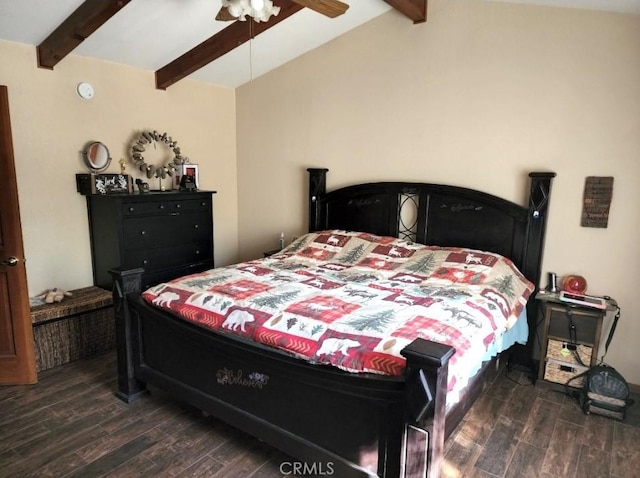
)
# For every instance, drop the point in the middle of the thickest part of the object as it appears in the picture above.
(151, 140)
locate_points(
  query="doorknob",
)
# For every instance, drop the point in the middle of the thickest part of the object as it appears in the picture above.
(12, 261)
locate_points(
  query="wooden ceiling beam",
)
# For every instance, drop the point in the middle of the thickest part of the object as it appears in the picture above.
(330, 8)
(219, 44)
(92, 14)
(416, 10)
(87, 18)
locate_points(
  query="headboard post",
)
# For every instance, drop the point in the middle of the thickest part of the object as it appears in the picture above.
(540, 189)
(317, 187)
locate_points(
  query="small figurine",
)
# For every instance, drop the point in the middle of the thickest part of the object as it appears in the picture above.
(142, 186)
(187, 183)
(54, 295)
(123, 165)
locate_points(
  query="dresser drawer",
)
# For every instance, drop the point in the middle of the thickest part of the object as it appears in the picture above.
(143, 208)
(154, 278)
(160, 231)
(146, 231)
(186, 205)
(153, 260)
(193, 226)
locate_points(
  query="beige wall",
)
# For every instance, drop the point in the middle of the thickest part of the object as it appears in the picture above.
(478, 96)
(51, 125)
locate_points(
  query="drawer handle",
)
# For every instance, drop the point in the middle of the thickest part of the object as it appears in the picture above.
(196, 226)
(203, 203)
(197, 253)
(131, 209)
(177, 206)
(161, 206)
(145, 262)
(143, 232)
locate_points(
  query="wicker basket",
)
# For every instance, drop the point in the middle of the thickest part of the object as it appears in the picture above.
(566, 352)
(560, 372)
(77, 327)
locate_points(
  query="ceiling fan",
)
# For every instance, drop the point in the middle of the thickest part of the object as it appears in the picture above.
(261, 10)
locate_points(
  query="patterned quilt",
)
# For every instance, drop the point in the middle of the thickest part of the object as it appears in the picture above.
(354, 300)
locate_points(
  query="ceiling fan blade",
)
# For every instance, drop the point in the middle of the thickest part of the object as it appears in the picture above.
(224, 15)
(330, 8)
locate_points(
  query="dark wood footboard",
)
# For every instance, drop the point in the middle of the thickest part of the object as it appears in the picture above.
(125, 283)
(354, 424)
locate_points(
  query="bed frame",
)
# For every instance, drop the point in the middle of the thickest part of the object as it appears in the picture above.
(333, 422)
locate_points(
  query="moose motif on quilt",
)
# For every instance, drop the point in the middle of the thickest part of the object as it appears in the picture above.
(355, 300)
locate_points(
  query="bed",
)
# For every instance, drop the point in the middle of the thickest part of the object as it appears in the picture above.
(327, 417)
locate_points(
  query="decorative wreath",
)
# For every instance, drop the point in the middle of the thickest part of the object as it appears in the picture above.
(148, 138)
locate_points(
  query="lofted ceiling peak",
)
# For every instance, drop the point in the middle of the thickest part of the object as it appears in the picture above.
(92, 14)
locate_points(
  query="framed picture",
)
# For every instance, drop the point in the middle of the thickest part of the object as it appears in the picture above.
(190, 170)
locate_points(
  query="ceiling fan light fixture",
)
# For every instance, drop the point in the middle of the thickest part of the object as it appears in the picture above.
(259, 10)
(235, 10)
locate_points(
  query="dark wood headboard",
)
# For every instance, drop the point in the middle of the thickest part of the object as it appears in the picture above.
(439, 215)
(443, 215)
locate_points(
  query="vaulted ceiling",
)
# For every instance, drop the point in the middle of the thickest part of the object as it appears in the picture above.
(177, 19)
(180, 38)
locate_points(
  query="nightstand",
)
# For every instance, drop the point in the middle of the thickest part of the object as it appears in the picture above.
(570, 336)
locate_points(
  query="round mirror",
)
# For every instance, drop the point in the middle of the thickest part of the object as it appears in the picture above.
(96, 157)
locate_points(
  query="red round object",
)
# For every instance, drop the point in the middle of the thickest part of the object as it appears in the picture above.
(574, 284)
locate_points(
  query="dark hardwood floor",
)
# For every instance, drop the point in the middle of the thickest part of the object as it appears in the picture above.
(71, 425)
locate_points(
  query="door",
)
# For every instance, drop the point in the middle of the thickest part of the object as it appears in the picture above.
(17, 359)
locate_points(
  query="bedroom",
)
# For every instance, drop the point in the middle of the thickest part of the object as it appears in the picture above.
(483, 91)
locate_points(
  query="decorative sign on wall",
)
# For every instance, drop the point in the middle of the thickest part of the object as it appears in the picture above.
(598, 191)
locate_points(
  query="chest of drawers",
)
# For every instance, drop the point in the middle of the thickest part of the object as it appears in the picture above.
(168, 234)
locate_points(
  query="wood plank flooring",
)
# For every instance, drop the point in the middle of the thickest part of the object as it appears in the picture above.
(71, 425)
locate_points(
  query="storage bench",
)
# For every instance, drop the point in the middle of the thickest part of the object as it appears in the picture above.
(77, 327)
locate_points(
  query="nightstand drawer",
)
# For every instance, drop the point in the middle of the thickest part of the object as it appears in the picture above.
(585, 325)
(565, 351)
(560, 372)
